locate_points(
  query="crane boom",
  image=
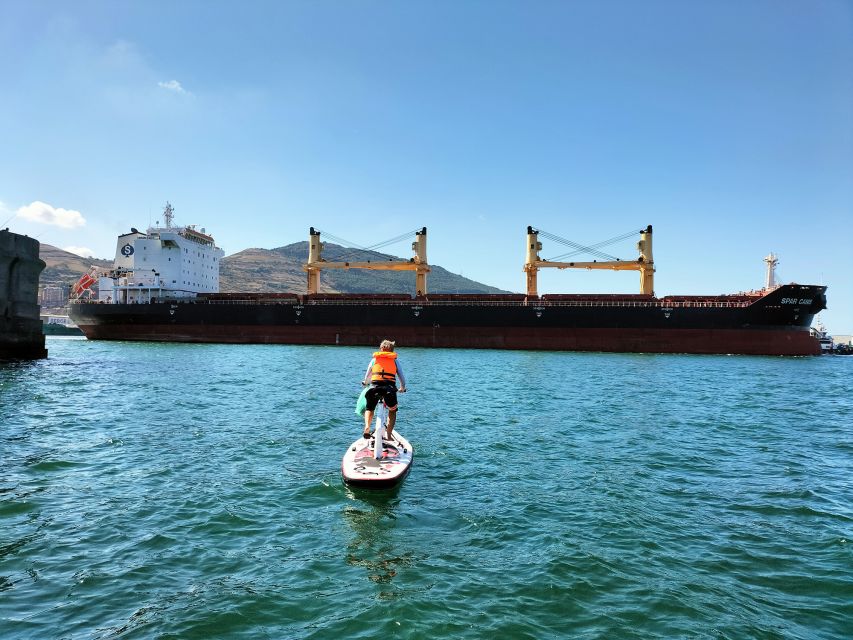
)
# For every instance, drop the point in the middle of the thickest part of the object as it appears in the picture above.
(644, 263)
(316, 263)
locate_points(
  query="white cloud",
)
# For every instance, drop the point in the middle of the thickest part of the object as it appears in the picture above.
(173, 85)
(46, 214)
(83, 252)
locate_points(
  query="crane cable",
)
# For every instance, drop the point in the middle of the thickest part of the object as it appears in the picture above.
(372, 248)
(592, 249)
(579, 248)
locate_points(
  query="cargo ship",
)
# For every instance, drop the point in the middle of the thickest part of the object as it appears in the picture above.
(164, 287)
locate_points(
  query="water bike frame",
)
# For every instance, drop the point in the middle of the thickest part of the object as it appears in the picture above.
(380, 425)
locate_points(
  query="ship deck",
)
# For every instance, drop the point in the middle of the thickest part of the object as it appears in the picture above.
(697, 302)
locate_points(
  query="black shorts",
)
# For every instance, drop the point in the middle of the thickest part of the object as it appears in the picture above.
(387, 392)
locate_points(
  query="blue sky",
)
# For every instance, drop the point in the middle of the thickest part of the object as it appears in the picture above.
(728, 125)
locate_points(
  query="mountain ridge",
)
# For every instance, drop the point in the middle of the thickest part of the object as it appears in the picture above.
(279, 270)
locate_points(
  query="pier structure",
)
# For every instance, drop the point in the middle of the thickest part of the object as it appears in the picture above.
(21, 334)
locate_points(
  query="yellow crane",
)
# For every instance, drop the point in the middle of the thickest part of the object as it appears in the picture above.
(644, 263)
(316, 263)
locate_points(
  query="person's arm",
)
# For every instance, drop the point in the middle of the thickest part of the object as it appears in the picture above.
(401, 376)
(366, 378)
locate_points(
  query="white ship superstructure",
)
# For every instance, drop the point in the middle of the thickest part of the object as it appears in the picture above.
(164, 262)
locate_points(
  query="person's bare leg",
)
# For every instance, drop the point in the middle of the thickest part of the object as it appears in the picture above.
(368, 418)
(392, 419)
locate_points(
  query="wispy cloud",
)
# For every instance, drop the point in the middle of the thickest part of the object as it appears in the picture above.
(124, 57)
(175, 86)
(46, 214)
(83, 252)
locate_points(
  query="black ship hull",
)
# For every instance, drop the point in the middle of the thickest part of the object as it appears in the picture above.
(773, 324)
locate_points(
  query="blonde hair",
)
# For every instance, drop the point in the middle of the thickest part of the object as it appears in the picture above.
(387, 345)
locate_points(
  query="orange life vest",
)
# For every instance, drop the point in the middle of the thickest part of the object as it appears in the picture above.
(384, 368)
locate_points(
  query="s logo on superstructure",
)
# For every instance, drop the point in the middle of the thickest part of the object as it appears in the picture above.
(127, 250)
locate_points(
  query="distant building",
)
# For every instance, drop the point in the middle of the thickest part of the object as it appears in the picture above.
(53, 297)
(839, 339)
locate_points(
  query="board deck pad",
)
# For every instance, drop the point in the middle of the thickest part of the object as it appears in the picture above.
(359, 468)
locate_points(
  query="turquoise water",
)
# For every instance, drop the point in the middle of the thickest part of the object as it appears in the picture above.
(193, 491)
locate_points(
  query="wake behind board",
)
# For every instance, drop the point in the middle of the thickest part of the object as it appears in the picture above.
(360, 468)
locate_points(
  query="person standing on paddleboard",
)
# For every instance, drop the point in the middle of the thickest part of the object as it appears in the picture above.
(382, 374)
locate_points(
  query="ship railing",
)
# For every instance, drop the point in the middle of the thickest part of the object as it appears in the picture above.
(536, 303)
(655, 304)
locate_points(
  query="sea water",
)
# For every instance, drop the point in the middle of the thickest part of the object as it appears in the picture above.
(194, 491)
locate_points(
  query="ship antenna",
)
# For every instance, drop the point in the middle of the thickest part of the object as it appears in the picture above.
(168, 215)
(770, 280)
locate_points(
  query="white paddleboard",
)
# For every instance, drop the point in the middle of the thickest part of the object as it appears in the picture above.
(361, 468)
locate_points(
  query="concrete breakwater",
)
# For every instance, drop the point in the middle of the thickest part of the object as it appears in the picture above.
(21, 334)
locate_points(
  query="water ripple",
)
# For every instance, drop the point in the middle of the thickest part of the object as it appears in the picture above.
(154, 491)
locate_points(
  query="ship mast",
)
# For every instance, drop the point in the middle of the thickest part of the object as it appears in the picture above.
(316, 263)
(770, 279)
(644, 263)
(168, 215)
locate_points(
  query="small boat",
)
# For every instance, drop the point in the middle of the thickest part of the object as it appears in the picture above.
(361, 467)
(826, 343)
(57, 325)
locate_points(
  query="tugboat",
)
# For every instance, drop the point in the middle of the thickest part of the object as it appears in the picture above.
(825, 340)
(59, 325)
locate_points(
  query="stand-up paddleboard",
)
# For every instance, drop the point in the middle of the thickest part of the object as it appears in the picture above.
(365, 466)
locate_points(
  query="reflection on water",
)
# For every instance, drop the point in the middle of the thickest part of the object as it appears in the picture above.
(372, 517)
